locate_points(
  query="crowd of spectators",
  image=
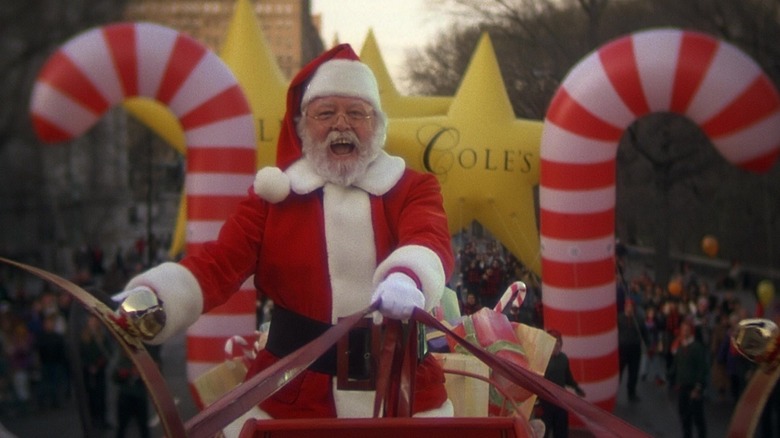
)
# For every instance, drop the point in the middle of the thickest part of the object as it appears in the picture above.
(36, 373)
(45, 339)
(485, 269)
(713, 304)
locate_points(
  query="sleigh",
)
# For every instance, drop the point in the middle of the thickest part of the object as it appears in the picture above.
(393, 405)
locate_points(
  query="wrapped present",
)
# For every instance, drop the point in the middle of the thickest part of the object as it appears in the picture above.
(493, 331)
(469, 395)
(217, 381)
(523, 345)
(239, 352)
(448, 312)
(539, 346)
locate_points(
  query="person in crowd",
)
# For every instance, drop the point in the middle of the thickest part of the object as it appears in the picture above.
(52, 353)
(718, 376)
(630, 340)
(556, 419)
(472, 277)
(95, 349)
(21, 352)
(691, 376)
(339, 224)
(654, 366)
(492, 282)
(6, 374)
(672, 318)
(132, 399)
(472, 304)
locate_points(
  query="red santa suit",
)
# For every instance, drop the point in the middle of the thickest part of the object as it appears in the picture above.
(318, 250)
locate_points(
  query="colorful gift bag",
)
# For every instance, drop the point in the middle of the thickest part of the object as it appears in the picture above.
(523, 345)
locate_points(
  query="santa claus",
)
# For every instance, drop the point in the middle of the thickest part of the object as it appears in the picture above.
(337, 225)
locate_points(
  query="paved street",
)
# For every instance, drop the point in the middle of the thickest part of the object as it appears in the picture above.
(655, 413)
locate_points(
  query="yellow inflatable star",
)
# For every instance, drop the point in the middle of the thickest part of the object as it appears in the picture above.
(246, 51)
(486, 159)
(394, 103)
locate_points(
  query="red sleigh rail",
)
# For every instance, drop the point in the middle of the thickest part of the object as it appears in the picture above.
(233, 404)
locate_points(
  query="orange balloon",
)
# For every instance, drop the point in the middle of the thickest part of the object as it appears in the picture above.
(709, 244)
(675, 287)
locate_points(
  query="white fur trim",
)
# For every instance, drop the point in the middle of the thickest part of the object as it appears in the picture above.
(180, 293)
(272, 184)
(303, 176)
(343, 77)
(233, 430)
(353, 404)
(360, 404)
(349, 237)
(424, 263)
(447, 409)
(382, 175)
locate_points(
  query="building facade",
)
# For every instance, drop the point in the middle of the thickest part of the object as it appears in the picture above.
(290, 29)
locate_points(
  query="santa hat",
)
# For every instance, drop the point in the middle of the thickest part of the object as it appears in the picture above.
(343, 77)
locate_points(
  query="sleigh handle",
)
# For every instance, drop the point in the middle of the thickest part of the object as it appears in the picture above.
(261, 386)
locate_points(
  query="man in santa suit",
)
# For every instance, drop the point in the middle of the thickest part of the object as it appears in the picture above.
(337, 225)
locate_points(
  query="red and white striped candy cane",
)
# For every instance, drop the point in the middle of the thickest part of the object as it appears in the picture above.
(711, 82)
(514, 295)
(104, 66)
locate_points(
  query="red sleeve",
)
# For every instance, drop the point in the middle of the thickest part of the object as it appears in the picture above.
(223, 265)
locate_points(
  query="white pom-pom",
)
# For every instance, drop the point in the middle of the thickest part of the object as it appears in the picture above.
(272, 184)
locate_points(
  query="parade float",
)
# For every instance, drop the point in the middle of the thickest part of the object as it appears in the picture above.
(572, 160)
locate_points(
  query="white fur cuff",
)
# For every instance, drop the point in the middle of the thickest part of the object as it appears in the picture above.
(180, 293)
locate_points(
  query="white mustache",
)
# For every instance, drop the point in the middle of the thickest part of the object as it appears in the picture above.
(343, 137)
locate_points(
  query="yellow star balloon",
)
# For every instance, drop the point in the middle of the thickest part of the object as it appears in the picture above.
(246, 51)
(394, 103)
(486, 159)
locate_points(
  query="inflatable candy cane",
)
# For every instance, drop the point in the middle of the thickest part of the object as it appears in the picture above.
(712, 83)
(101, 68)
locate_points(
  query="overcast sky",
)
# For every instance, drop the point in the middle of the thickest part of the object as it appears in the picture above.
(398, 25)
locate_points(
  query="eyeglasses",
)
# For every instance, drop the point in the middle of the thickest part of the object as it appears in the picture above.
(353, 117)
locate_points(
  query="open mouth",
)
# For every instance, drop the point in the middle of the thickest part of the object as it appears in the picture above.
(342, 147)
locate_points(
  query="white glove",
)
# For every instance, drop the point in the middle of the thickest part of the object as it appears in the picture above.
(398, 296)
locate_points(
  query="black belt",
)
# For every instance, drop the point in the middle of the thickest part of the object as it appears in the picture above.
(290, 331)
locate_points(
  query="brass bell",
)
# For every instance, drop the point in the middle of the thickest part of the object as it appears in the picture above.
(756, 339)
(144, 312)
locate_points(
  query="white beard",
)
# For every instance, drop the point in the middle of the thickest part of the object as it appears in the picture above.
(342, 173)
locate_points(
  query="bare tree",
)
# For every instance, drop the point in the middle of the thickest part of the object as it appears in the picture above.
(670, 187)
(31, 218)
(30, 31)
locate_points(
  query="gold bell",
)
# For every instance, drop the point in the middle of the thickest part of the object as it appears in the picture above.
(756, 339)
(144, 313)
